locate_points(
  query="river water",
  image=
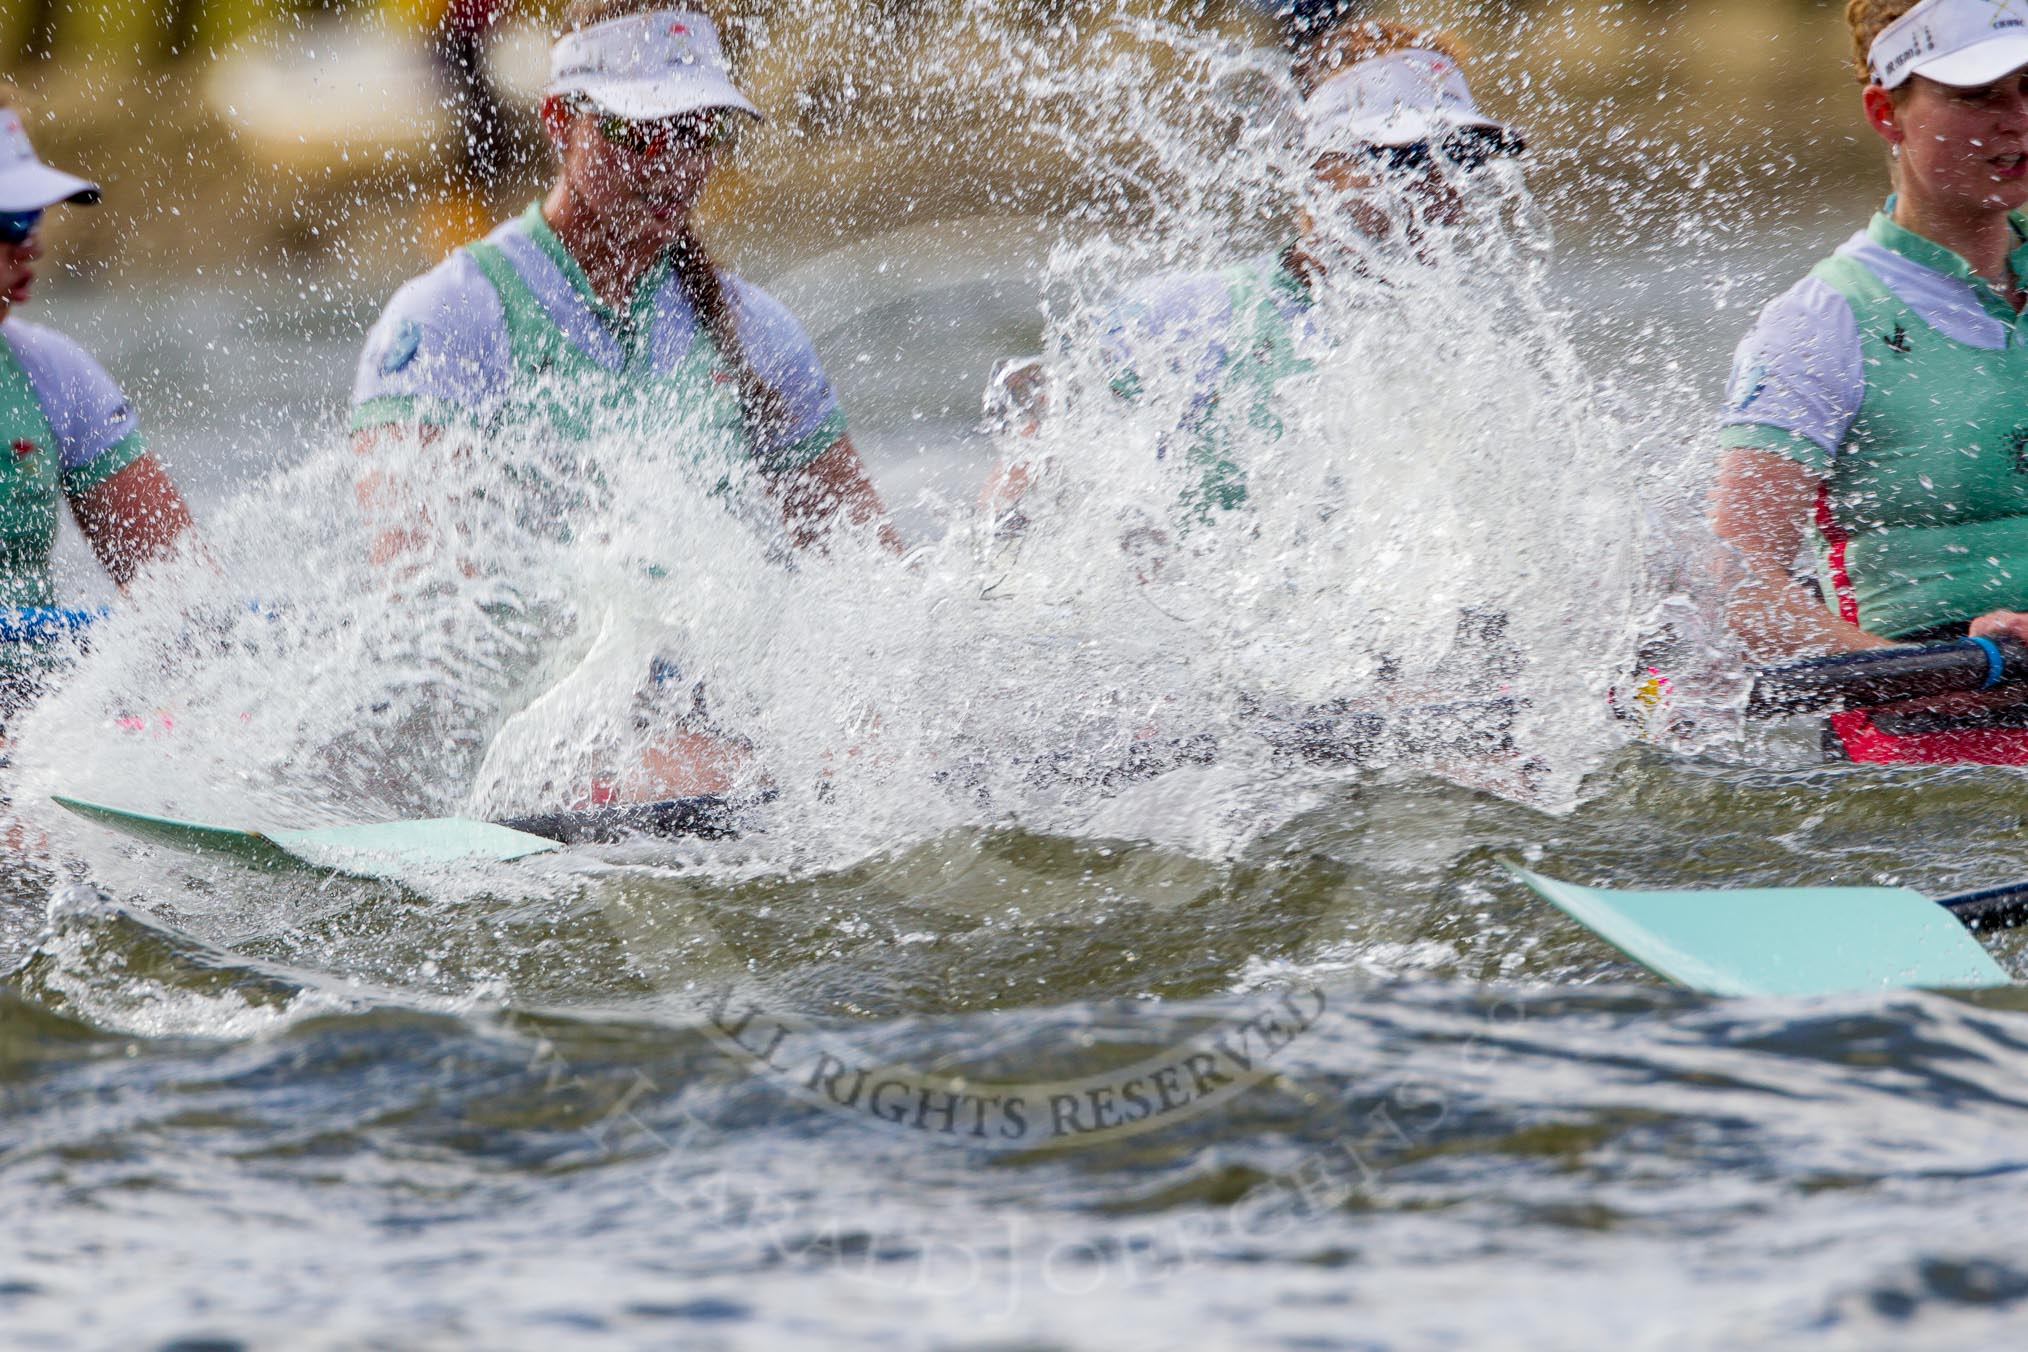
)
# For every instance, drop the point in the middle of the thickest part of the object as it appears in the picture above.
(1126, 959)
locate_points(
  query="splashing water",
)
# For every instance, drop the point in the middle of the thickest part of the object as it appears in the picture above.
(1433, 570)
(488, 1103)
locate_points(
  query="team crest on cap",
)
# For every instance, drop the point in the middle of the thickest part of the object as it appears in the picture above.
(1948, 40)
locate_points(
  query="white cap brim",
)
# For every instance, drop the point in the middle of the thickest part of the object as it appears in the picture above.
(31, 186)
(1979, 64)
(1397, 99)
(692, 93)
(1408, 126)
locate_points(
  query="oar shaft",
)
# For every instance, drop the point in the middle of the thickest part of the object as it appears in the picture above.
(706, 817)
(1884, 675)
(1991, 908)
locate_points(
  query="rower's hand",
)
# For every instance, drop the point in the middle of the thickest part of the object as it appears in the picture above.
(2001, 624)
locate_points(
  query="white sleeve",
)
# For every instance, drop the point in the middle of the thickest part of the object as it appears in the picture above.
(783, 356)
(440, 348)
(1799, 372)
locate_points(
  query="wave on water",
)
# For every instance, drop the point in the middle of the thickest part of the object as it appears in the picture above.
(1181, 828)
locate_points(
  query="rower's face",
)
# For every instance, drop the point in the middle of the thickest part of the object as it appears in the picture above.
(1963, 146)
(1355, 180)
(1364, 193)
(645, 176)
(17, 271)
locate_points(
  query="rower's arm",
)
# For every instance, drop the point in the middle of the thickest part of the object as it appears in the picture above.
(1759, 506)
(814, 496)
(1018, 396)
(377, 497)
(133, 518)
(1008, 483)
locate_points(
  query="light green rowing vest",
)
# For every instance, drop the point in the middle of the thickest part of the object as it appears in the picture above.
(30, 488)
(564, 390)
(567, 395)
(1261, 354)
(1927, 497)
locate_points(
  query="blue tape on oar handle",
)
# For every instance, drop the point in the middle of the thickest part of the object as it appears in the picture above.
(32, 624)
(1996, 662)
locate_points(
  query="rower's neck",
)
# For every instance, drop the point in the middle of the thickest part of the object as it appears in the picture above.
(613, 257)
(1985, 239)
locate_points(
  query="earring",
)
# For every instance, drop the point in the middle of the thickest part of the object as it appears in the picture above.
(1895, 152)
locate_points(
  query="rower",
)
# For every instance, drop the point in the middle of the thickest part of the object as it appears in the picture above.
(600, 308)
(1880, 405)
(1394, 140)
(71, 436)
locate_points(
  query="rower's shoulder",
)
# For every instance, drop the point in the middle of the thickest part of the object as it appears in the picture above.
(59, 367)
(449, 318)
(1811, 306)
(774, 337)
(1800, 368)
(39, 344)
(1179, 300)
(455, 287)
(752, 302)
(442, 335)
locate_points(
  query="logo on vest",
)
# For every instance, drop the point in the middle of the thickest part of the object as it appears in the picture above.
(1748, 384)
(401, 349)
(23, 448)
(1897, 341)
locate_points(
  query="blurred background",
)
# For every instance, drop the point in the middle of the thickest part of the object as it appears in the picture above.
(273, 171)
(255, 134)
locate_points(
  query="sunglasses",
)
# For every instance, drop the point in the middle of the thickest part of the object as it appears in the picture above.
(17, 226)
(695, 133)
(1470, 149)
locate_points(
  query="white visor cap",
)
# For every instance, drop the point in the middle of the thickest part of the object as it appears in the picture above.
(1392, 100)
(647, 65)
(26, 183)
(1955, 42)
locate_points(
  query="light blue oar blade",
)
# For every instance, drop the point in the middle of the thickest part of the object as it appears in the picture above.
(244, 847)
(1782, 940)
(364, 851)
(440, 840)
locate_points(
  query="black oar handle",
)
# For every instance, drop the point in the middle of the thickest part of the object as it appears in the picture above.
(705, 817)
(1884, 675)
(1992, 908)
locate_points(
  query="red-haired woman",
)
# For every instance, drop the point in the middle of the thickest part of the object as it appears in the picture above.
(1879, 409)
